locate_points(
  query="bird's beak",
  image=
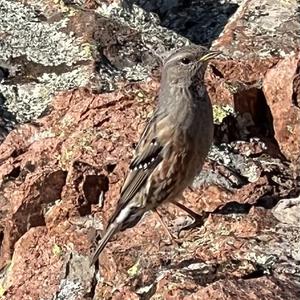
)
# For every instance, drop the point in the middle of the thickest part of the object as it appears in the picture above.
(211, 54)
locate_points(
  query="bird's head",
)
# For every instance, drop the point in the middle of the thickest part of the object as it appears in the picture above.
(186, 63)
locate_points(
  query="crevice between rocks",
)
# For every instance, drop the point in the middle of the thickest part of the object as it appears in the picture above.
(253, 101)
(257, 273)
(296, 87)
(94, 188)
(32, 213)
(1, 237)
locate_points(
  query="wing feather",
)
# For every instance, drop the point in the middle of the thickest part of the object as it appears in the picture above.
(148, 155)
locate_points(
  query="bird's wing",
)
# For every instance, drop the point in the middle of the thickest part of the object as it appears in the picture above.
(148, 155)
(141, 167)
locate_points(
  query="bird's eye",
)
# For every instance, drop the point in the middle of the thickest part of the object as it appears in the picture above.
(185, 61)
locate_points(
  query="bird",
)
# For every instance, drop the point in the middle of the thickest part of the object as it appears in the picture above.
(173, 146)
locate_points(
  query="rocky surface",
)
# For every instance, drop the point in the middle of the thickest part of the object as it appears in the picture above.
(83, 76)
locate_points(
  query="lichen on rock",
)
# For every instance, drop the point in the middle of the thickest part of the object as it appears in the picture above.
(84, 76)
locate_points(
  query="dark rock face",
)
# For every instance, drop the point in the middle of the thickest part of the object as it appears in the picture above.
(199, 21)
(84, 79)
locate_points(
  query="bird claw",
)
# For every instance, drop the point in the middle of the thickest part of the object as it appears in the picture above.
(198, 222)
(174, 241)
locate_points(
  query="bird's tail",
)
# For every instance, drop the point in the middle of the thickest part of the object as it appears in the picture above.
(125, 216)
(111, 230)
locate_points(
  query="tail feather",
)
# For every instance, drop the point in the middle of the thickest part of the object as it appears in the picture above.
(111, 230)
(123, 218)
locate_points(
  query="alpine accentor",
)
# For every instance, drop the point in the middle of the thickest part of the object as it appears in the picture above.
(174, 144)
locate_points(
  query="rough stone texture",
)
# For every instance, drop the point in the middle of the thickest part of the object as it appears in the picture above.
(60, 194)
(40, 58)
(288, 211)
(264, 29)
(283, 99)
(268, 288)
(60, 175)
(49, 47)
(200, 21)
(261, 78)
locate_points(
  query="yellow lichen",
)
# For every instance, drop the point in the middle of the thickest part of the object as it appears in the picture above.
(56, 250)
(221, 112)
(134, 270)
(81, 143)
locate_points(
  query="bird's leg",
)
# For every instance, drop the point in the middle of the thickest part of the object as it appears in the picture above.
(164, 225)
(194, 215)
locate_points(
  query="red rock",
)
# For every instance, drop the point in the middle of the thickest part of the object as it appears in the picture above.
(41, 179)
(280, 91)
(254, 289)
(261, 77)
(35, 271)
(53, 173)
(264, 29)
(125, 293)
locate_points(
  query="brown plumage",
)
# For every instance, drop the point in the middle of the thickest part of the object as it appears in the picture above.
(174, 144)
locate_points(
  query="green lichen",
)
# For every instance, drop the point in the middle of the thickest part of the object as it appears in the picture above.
(57, 250)
(134, 270)
(3, 278)
(221, 112)
(290, 129)
(64, 8)
(2, 290)
(82, 143)
(39, 46)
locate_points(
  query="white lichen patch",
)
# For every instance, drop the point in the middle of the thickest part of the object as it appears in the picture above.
(42, 135)
(41, 42)
(29, 100)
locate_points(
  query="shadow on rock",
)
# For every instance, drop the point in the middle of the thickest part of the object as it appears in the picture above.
(200, 21)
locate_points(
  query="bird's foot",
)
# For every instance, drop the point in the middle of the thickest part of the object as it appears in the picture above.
(193, 221)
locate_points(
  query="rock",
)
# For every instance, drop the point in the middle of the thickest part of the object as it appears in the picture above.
(267, 29)
(257, 76)
(261, 75)
(42, 57)
(61, 47)
(282, 97)
(288, 211)
(43, 267)
(260, 288)
(35, 271)
(25, 202)
(201, 22)
(60, 175)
